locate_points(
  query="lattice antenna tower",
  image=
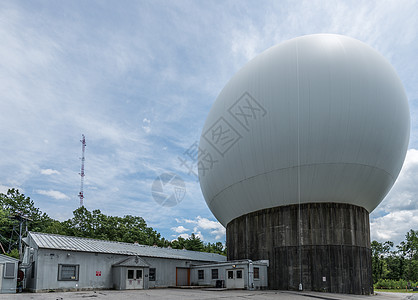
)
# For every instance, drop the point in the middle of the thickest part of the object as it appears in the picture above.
(83, 149)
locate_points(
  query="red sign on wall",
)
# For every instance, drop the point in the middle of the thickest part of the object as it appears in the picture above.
(98, 273)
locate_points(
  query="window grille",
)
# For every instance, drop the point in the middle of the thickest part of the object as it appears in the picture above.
(68, 272)
(9, 271)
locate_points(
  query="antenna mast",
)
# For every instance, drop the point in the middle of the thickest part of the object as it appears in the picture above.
(83, 149)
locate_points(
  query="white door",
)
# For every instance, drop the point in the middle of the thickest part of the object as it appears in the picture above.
(134, 279)
(235, 279)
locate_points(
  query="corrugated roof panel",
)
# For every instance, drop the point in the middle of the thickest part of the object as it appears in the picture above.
(61, 242)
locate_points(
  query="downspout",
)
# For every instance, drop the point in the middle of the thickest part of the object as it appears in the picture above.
(250, 275)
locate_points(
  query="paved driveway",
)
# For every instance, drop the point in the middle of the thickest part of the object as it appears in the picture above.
(203, 294)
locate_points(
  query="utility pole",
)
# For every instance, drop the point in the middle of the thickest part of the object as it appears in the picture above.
(23, 220)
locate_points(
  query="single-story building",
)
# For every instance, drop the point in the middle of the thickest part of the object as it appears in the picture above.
(8, 274)
(242, 274)
(60, 263)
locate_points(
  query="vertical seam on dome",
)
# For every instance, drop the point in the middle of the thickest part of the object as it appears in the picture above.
(298, 147)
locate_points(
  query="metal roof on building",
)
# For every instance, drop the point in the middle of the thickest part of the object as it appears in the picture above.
(5, 258)
(71, 243)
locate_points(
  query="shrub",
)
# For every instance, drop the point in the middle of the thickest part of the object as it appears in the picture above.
(393, 284)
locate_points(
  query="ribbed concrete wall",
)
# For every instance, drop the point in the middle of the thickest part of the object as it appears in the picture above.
(331, 244)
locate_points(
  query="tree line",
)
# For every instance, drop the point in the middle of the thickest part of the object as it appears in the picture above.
(88, 224)
(395, 267)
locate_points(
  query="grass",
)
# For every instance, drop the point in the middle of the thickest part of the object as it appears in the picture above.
(395, 291)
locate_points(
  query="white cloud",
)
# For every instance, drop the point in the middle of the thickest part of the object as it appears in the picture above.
(394, 226)
(398, 212)
(215, 228)
(404, 193)
(146, 125)
(49, 172)
(53, 194)
(179, 229)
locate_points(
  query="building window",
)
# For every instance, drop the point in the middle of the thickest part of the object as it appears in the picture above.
(257, 273)
(130, 274)
(214, 273)
(239, 274)
(151, 274)
(200, 274)
(230, 274)
(68, 272)
(138, 274)
(9, 271)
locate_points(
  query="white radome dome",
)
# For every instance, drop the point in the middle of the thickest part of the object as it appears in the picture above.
(326, 109)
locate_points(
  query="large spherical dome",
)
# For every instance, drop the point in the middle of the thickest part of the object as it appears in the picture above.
(319, 118)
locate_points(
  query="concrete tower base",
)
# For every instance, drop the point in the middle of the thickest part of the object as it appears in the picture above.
(328, 250)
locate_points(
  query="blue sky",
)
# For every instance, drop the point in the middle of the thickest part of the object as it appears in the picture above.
(138, 79)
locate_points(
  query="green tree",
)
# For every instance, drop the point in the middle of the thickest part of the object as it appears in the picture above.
(128, 229)
(194, 243)
(395, 265)
(409, 250)
(14, 204)
(379, 251)
(409, 247)
(81, 224)
(217, 247)
(179, 243)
